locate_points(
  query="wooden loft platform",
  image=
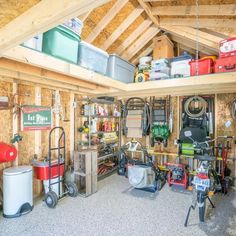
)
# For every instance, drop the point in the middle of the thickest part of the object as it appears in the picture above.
(25, 65)
(124, 27)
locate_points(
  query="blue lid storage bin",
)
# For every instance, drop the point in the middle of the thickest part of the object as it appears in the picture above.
(120, 69)
(184, 56)
(92, 58)
(61, 42)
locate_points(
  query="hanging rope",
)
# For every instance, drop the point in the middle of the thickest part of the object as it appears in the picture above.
(198, 99)
(197, 37)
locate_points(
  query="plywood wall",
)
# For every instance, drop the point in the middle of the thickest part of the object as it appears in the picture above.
(26, 148)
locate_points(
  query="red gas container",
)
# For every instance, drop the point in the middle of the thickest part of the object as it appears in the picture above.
(225, 64)
(228, 47)
(41, 170)
(205, 66)
(8, 152)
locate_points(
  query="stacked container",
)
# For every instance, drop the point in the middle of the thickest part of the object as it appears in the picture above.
(203, 66)
(227, 59)
(120, 69)
(160, 69)
(34, 43)
(92, 58)
(180, 66)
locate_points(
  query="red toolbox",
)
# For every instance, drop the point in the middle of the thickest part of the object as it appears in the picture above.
(41, 169)
(225, 64)
(205, 66)
(228, 47)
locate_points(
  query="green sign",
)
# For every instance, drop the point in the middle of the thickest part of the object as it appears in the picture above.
(36, 118)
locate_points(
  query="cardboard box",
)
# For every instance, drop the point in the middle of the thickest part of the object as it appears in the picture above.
(163, 48)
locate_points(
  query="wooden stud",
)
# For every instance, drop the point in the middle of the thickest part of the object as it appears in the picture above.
(72, 126)
(190, 10)
(135, 34)
(105, 20)
(15, 121)
(123, 26)
(41, 17)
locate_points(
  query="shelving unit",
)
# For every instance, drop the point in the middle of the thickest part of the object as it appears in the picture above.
(104, 136)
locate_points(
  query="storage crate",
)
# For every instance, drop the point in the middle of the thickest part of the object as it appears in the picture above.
(35, 43)
(205, 66)
(92, 58)
(163, 48)
(225, 64)
(120, 69)
(85, 162)
(228, 47)
(61, 42)
(84, 184)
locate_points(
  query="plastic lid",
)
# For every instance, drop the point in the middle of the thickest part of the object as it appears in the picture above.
(115, 55)
(17, 170)
(94, 48)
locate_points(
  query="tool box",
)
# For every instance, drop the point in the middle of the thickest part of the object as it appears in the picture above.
(225, 64)
(228, 47)
(205, 66)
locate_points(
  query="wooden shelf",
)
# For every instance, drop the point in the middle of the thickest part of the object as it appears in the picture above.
(97, 116)
(204, 84)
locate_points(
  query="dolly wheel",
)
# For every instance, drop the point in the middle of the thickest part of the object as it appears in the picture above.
(72, 189)
(51, 199)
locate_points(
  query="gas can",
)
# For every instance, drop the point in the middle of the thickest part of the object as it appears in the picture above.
(8, 152)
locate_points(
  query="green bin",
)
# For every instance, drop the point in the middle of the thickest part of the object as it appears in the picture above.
(62, 43)
(187, 149)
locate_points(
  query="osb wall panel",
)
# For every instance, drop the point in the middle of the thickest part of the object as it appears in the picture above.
(113, 24)
(5, 127)
(127, 33)
(94, 17)
(224, 102)
(10, 9)
(46, 100)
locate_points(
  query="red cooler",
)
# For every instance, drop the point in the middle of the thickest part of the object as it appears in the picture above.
(225, 64)
(41, 169)
(205, 66)
(228, 47)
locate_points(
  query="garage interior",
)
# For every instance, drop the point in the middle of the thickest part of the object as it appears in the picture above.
(89, 146)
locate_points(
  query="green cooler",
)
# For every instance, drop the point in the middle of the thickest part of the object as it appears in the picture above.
(61, 42)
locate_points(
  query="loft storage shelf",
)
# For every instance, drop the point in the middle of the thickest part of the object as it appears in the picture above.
(80, 80)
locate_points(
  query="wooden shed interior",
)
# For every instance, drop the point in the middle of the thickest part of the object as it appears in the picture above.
(123, 27)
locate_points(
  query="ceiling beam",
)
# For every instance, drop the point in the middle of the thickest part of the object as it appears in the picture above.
(144, 53)
(122, 27)
(189, 35)
(190, 10)
(133, 36)
(106, 20)
(137, 45)
(191, 44)
(41, 17)
(202, 22)
(84, 16)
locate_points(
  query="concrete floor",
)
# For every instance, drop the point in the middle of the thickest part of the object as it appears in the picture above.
(117, 209)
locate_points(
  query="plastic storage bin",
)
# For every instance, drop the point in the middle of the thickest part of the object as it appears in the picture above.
(205, 66)
(225, 64)
(75, 25)
(120, 69)
(62, 43)
(228, 47)
(35, 43)
(92, 58)
(17, 191)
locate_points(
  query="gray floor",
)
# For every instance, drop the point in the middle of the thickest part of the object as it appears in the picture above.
(117, 209)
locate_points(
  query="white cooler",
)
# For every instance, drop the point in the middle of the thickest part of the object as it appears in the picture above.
(17, 191)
